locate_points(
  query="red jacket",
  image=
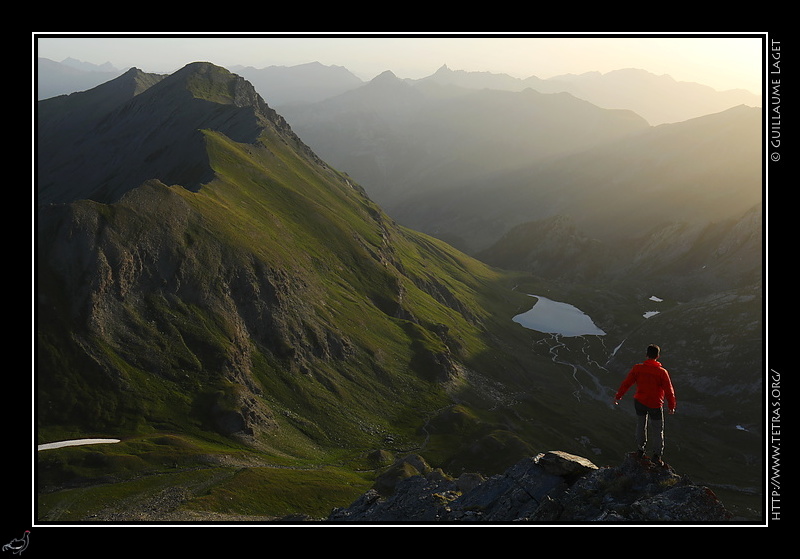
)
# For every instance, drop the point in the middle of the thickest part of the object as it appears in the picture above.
(652, 385)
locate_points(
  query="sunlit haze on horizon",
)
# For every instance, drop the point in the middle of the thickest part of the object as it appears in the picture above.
(721, 62)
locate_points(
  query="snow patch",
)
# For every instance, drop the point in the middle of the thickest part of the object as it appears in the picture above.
(75, 442)
(655, 299)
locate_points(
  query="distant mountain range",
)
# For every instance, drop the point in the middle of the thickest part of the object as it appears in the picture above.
(65, 77)
(696, 172)
(658, 99)
(404, 139)
(467, 165)
(216, 269)
(304, 83)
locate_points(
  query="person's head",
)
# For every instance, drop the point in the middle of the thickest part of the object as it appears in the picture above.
(653, 351)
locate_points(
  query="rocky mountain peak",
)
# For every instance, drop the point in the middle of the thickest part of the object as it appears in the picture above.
(214, 83)
(152, 133)
(384, 79)
(553, 486)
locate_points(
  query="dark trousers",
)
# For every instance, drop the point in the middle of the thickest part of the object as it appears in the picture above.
(649, 421)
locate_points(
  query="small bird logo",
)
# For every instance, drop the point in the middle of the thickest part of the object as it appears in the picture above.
(18, 545)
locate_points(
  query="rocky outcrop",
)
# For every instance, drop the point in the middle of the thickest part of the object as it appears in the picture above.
(552, 487)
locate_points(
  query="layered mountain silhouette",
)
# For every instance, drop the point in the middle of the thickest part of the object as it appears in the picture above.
(68, 76)
(300, 84)
(467, 164)
(659, 99)
(408, 140)
(697, 172)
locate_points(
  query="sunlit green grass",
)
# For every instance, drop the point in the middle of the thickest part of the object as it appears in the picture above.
(258, 491)
(282, 492)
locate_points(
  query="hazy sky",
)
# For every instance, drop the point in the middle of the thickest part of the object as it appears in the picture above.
(716, 60)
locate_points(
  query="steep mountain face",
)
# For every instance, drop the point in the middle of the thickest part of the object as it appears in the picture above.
(142, 128)
(209, 274)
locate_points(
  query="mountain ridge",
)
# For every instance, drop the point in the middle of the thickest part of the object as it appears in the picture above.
(312, 82)
(167, 144)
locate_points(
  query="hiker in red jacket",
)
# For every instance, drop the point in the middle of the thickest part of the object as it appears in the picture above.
(653, 385)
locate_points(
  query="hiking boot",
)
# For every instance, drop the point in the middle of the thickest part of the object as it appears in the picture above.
(640, 454)
(657, 460)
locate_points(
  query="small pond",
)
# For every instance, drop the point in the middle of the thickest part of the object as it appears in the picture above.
(553, 317)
